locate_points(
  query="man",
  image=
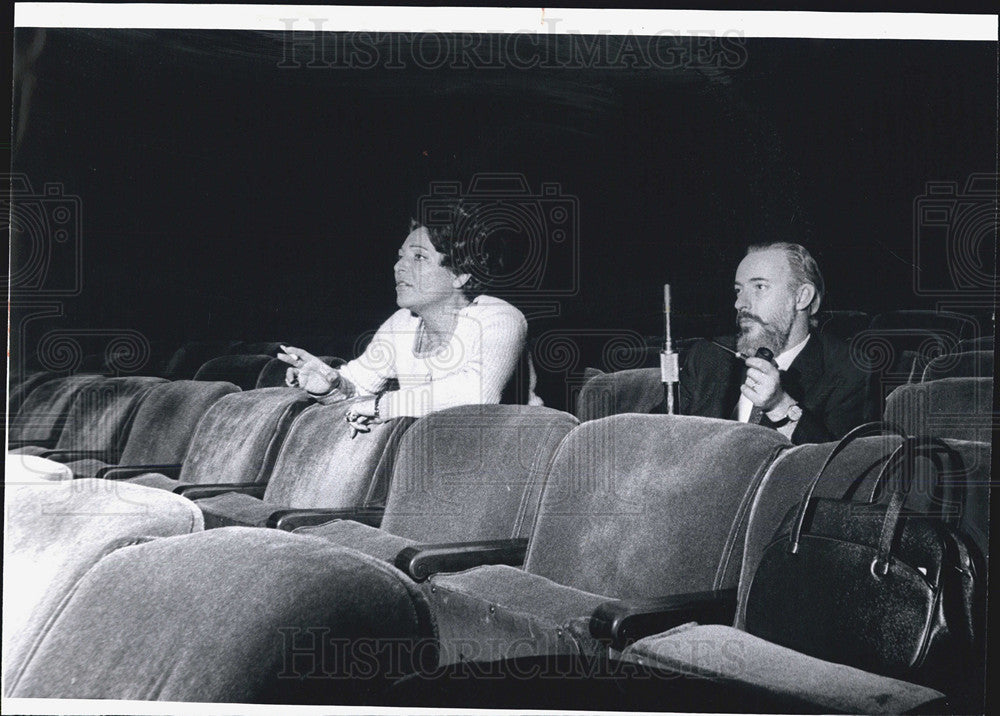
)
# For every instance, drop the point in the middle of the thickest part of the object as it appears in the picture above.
(811, 392)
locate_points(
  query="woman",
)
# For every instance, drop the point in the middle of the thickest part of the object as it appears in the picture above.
(449, 344)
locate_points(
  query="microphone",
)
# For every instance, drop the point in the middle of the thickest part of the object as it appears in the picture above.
(669, 367)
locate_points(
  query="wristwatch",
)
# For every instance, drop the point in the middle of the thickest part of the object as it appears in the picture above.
(792, 415)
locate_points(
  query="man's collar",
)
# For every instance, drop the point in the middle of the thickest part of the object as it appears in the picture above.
(786, 357)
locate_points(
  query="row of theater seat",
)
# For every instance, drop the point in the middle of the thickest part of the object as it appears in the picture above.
(248, 454)
(951, 397)
(893, 347)
(245, 371)
(556, 519)
(636, 390)
(626, 507)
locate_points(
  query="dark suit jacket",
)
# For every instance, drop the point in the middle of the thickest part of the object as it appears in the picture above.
(829, 388)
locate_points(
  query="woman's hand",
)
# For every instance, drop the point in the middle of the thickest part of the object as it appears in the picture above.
(362, 415)
(308, 372)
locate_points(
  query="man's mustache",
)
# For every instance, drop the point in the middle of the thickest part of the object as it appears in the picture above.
(740, 317)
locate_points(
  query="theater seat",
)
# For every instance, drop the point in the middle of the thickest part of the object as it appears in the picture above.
(273, 374)
(639, 390)
(99, 420)
(32, 468)
(320, 466)
(800, 682)
(185, 361)
(633, 505)
(241, 370)
(959, 408)
(55, 531)
(971, 364)
(982, 343)
(44, 412)
(842, 324)
(949, 324)
(233, 615)
(472, 472)
(237, 440)
(164, 424)
(898, 345)
(268, 348)
(21, 387)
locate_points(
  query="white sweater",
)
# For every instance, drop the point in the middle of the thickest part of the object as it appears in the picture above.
(472, 368)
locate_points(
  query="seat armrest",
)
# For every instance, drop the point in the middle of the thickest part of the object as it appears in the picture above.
(70, 455)
(194, 491)
(124, 472)
(16, 444)
(422, 561)
(618, 623)
(292, 519)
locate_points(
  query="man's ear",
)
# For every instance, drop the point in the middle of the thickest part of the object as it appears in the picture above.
(461, 279)
(804, 296)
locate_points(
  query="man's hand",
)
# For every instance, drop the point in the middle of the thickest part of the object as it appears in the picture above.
(308, 372)
(763, 384)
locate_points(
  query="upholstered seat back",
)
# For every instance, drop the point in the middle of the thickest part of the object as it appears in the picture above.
(842, 324)
(951, 326)
(166, 420)
(238, 439)
(638, 390)
(971, 364)
(102, 414)
(898, 345)
(980, 343)
(242, 370)
(473, 472)
(43, 413)
(638, 504)
(321, 465)
(55, 531)
(185, 361)
(237, 615)
(959, 408)
(21, 387)
(259, 348)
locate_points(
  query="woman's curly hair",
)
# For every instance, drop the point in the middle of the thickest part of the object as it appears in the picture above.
(461, 237)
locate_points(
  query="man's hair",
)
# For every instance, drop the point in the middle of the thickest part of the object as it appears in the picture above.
(804, 269)
(460, 236)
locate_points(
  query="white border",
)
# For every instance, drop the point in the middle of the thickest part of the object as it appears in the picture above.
(751, 24)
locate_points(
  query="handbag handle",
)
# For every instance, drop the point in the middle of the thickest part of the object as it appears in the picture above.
(905, 454)
(862, 431)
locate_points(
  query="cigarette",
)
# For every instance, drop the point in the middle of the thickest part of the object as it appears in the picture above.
(730, 350)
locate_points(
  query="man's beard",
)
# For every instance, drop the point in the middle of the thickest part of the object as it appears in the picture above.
(760, 334)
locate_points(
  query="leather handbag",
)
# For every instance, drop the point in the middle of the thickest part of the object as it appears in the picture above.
(871, 585)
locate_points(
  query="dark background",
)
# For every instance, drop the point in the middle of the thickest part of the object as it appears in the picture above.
(223, 196)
